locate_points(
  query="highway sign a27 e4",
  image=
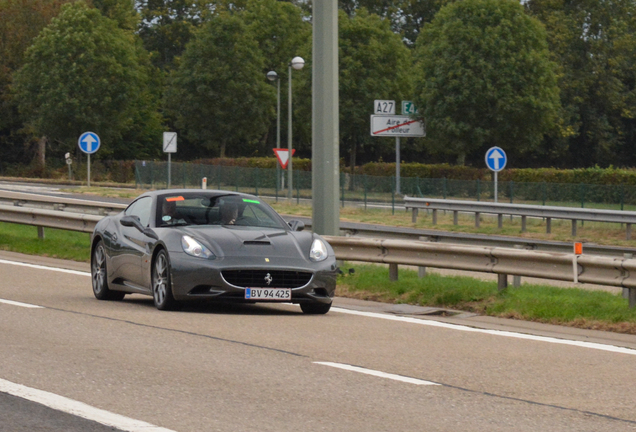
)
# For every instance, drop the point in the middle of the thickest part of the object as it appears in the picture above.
(408, 108)
(89, 142)
(496, 159)
(383, 107)
(396, 126)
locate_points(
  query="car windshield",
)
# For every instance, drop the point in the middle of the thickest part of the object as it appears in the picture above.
(225, 210)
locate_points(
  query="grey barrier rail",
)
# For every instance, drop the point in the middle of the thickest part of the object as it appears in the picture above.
(30, 200)
(591, 269)
(500, 209)
(598, 270)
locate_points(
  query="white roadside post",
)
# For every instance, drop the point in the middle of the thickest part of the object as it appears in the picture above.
(89, 143)
(69, 161)
(204, 183)
(169, 146)
(578, 251)
(496, 161)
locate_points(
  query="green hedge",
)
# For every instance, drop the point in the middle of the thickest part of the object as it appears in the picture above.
(598, 176)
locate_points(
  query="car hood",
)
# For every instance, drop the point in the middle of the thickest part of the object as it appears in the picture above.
(249, 242)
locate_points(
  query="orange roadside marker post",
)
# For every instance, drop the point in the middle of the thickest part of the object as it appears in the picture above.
(578, 250)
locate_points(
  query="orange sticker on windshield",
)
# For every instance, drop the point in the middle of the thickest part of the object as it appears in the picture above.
(177, 198)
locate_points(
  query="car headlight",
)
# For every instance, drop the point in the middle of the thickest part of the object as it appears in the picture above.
(194, 248)
(318, 251)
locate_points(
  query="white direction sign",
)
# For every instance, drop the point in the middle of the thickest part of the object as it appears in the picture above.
(384, 107)
(396, 126)
(169, 142)
(496, 159)
(89, 142)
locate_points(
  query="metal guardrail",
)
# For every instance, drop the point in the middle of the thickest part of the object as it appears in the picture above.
(547, 212)
(29, 200)
(598, 270)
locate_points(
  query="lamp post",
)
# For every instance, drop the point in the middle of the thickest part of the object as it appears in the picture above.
(296, 63)
(273, 76)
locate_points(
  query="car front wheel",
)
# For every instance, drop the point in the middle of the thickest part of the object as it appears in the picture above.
(161, 285)
(315, 308)
(100, 276)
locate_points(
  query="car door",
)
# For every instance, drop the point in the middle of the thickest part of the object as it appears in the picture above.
(135, 244)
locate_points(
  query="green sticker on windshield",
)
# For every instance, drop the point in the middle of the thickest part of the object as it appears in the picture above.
(250, 201)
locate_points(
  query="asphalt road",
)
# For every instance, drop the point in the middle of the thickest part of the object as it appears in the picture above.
(271, 368)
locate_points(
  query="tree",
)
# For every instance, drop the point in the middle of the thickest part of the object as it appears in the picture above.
(20, 23)
(374, 64)
(83, 73)
(282, 33)
(219, 95)
(484, 78)
(593, 43)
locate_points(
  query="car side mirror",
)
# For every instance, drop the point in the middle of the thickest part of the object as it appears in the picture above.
(129, 221)
(296, 225)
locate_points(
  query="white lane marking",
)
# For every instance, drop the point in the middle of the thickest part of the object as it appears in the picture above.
(79, 409)
(377, 373)
(433, 323)
(61, 270)
(15, 303)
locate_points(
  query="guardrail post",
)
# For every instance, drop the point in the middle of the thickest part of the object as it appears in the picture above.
(393, 272)
(421, 270)
(573, 227)
(477, 215)
(523, 224)
(414, 215)
(434, 216)
(627, 290)
(500, 220)
(455, 213)
(632, 297)
(628, 231)
(548, 225)
(41, 233)
(502, 282)
(516, 280)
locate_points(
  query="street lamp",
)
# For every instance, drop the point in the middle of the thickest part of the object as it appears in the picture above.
(273, 76)
(296, 63)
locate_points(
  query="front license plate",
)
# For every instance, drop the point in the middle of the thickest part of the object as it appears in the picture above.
(281, 294)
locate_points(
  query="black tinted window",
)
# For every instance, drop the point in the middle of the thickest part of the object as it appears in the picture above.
(140, 208)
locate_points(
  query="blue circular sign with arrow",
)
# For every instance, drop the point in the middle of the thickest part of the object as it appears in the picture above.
(496, 159)
(89, 142)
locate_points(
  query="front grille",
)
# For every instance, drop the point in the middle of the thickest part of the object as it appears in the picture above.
(259, 278)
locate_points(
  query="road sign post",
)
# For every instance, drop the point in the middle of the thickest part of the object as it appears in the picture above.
(496, 161)
(169, 146)
(282, 154)
(396, 126)
(89, 143)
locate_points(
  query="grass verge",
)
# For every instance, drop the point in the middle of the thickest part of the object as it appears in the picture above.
(598, 310)
(57, 243)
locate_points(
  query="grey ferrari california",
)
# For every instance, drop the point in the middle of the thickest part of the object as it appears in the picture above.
(188, 245)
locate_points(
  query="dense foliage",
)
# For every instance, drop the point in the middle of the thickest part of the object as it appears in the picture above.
(484, 78)
(553, 82)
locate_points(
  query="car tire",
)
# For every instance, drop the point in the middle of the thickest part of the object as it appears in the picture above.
(315, 308)
(99, 275)
(161, 283)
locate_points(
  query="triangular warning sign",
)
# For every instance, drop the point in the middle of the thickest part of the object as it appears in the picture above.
(283, 156)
